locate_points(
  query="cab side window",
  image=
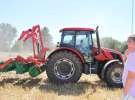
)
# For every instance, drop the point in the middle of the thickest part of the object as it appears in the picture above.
(68, 39)
(82, 43)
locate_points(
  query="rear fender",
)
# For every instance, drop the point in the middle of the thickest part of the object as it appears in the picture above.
(77, 53)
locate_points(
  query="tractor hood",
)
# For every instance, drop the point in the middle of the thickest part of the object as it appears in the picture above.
(111, 50)
(112, 54)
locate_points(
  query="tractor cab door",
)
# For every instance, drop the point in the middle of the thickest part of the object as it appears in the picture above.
(83, 42)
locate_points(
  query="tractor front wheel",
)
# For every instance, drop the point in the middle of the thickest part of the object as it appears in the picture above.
(64, 67)
(113, 74)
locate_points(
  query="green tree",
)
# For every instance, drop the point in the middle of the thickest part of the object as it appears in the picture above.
(47, 38)
(123, 47)
(16, 47)
(7, 34)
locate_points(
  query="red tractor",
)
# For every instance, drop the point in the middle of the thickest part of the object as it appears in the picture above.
(78, 52)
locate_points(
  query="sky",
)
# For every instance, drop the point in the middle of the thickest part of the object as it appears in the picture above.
(112, 16)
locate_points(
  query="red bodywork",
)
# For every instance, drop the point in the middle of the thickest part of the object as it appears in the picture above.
(106, 55)
(38, 57)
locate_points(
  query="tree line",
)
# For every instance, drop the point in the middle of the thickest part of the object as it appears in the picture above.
(8, 40)
(109, 42)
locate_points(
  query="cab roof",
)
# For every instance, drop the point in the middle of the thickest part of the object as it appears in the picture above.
(76, 29)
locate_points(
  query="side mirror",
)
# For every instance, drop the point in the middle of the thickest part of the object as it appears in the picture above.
(58, 44)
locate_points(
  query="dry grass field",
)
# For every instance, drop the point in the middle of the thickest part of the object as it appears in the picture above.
(23, 87)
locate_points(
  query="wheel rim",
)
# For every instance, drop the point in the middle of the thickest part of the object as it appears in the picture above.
(117, 75)
(64, 69)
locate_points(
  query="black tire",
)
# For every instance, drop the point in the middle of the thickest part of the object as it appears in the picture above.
(64, 67)
(113, 74)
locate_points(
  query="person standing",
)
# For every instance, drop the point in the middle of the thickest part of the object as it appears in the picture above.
(128, 77)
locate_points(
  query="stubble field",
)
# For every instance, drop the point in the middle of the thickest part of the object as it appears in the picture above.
(23, 87)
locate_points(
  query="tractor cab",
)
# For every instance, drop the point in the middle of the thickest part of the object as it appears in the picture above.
(80, 38)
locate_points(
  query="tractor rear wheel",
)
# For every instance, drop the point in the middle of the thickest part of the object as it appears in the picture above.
(64, 67)
(113, 75)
